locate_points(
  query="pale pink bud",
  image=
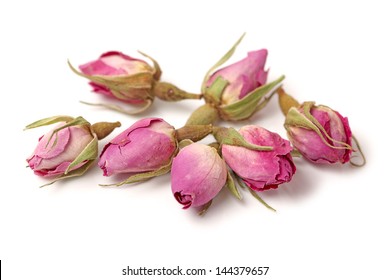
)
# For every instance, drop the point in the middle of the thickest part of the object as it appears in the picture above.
(261, 170)
(198, 174)
(145, 146)
(53, 158)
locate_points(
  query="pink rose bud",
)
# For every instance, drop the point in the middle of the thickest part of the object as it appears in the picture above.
(235, 92)
(53, 158)
(120, 76)
(243, 76)
(320, 134)
(130, 80)
(147, 145)
(261, 170)
(198, 174)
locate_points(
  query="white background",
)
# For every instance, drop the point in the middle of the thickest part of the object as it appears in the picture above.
(331, 221)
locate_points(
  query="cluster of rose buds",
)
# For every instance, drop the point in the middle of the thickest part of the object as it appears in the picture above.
(252, 157)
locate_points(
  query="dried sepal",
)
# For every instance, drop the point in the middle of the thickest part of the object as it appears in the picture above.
(143, 176)
(89, 153)
(232, 186)
(307, 111)
(255, 195)
(361, 154)
(204, 208)
(74, 173)
(144, 106)
(229, 136)
(157, 69)
(247, 106)
(49, 121)
(220, 62)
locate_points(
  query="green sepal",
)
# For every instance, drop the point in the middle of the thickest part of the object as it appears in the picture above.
(214, 92)
(220, 62)
(230, 136)
(143, 176)
(74, 173)
(255, 195)
(48, 121)
(90, 152)
(232, 187)
(247, 106)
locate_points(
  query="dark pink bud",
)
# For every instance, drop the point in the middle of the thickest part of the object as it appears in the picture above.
(261, 170)
(319, 133)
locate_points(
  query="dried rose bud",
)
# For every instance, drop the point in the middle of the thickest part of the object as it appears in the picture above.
(261, 170)
(243, 77)
(130, 80)
(198, 174)
(51, 159)
(237, 91)
(69, 149)
(147, 145)
(320, 134)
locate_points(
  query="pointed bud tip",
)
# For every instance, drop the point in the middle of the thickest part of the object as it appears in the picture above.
(286, 101)
(103, 129)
